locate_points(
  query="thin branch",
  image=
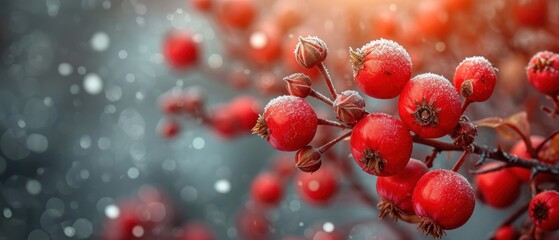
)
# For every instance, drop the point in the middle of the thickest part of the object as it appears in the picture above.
(551, 136)
(328, 79)
(492, 153)
(332, 123)
(328, 145)
(321, 97)
(494, 169)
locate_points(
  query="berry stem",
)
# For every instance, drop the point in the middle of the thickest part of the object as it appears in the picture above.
(328, 122)
(551, 136)
(491, 153)
(322, 68)
(430, 159)
(321, 97)
(328, 145)
(465, 105)
(461, 160)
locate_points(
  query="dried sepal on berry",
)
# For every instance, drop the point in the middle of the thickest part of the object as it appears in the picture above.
(310, 51)
(349, 107)
(298, 84)
(308, 159)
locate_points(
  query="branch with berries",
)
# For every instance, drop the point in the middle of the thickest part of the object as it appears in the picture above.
(430, 107)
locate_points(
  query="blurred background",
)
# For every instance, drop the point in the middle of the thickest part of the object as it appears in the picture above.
(84, 134)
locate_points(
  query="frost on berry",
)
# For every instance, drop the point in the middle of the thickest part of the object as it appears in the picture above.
(310, 51)
(289, 123)
(381, 68)
(443, 200)
(429, 105)
(298, 84)
(475, 79)
(380, 144)
(349, 106)
(308, 159)
(543, 72)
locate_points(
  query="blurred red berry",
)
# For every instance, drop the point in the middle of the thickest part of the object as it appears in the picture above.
(267, 189)
(498, 189)
(543, 72)
(180, 50)
(170, 129)
(530, 12)
(237, 14)
(318, 187)
(506, 233)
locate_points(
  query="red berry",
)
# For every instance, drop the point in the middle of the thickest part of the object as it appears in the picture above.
(202, 5)
(265, 44)
(180, 50)
(381, 68)
(506, 233)
(318, 187)
(252, 225)
(267, 189)
(429, 105)
(170, 129)
(543, 72)
(432, 19)
(544, 210)
(288, 123)
(498, 189)
(236, 13)
(323, 235)
(172, 103)
(385, 24)
(530, 12)
(396, 191)
(457, 5)
(519, 149)
(475, 79)
(381, 144)
(443, 200)
(224, 121)
(197, 231)
(245, 109)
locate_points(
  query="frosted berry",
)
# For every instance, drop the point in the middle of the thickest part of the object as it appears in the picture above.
(381, 68)
(319, 187)
(349, 107)
(429, 105)
(475, 79)
(443, 200)
(543, 72)
(310, 51)
(544, 210)
(381, 144)
(298, 84)
(289, 123)
(396, 191)
(267, 189)
(180, 50)
(498, 189)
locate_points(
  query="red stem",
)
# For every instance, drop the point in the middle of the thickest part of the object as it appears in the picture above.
(460, 161)
(328, 145)
(321, 97)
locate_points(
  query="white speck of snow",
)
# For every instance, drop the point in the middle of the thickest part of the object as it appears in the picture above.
(328, 227)
(100, 41)
(112, 211)
(222, 186)
(93, 84)
(198, 143)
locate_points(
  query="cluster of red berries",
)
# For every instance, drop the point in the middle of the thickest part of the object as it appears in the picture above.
(227, 120)
(429, 106)
(150, 216)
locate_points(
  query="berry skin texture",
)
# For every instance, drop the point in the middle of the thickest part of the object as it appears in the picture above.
(381, 144)
(289, 123)
(381, 68)
(543, 72)
(506, 233)
(180, 50)
(498, 189)
(319, 187)
(429, 105)
(267, 189)
(443, 200)
(475, 79)
(544, 210)
(396, 191)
